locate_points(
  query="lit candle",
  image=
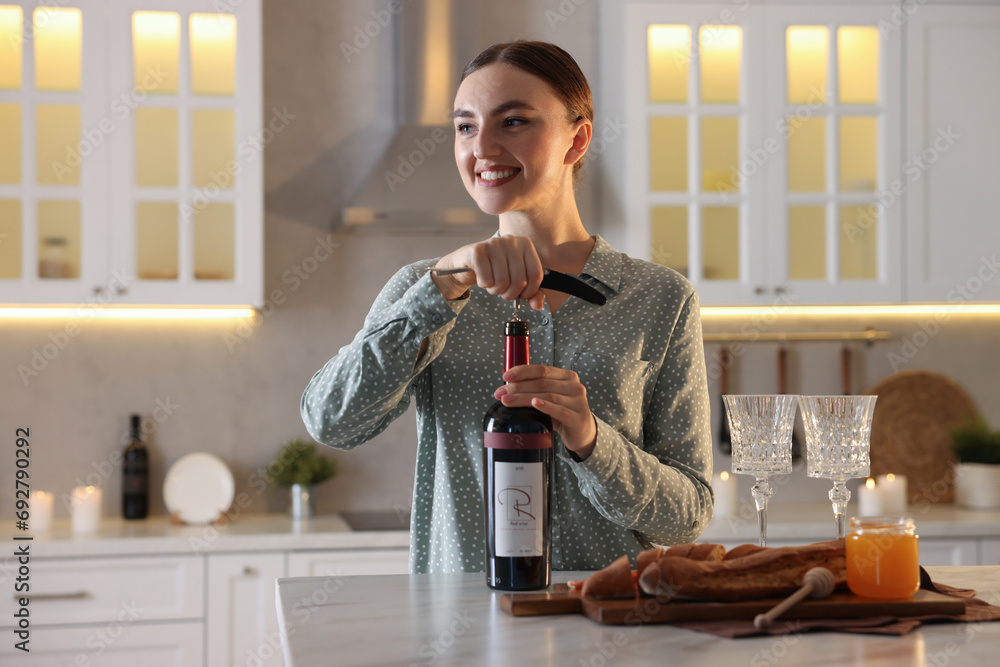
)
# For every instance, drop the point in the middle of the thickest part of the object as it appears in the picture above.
(893, 490)
(725, 494)
(41, 511)
(870, 499)
(85, 510)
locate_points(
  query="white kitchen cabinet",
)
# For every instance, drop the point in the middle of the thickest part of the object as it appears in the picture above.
(835, 123)
(242, 619)
(958, 551)
(952, 144)
(761, 140)
(53, 203)
(131, 153)
(110, 645)
(348, 562)
(989, 551)
(114, 612)
(105, 590)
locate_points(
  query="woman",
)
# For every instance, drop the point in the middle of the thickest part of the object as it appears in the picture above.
(625, 384)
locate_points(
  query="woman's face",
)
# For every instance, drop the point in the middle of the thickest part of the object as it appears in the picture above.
(514, 145)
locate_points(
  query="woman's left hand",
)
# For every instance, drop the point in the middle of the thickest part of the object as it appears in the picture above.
(559, 394)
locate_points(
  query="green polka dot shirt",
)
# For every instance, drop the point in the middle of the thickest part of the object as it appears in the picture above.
(640, 357)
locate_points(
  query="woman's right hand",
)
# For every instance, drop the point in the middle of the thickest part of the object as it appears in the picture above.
(507, 266)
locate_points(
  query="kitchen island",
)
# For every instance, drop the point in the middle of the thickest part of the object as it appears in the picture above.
(456, 620)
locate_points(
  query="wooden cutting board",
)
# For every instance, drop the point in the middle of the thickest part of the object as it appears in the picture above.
(563, 600)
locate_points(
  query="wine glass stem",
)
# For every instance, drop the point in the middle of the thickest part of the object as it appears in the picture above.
(761, 492)
(839, 496)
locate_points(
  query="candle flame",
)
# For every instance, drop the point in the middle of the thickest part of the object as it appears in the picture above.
(870, 483)
(890, 477)
(723, 475)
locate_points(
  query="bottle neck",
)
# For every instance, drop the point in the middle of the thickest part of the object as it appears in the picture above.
(515, 352)
(135, 430)
(515, 345)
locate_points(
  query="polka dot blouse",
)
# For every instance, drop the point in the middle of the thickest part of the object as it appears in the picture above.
(640, 357)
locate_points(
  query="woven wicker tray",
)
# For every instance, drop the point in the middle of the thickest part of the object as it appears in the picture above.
(913, 414)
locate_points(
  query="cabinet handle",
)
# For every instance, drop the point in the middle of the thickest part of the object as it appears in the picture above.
(79, 595)
(250, 571)
(100, 291)
(781, 290)
(118, 291)
(759, 290)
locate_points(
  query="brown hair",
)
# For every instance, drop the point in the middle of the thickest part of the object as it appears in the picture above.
(552, 65)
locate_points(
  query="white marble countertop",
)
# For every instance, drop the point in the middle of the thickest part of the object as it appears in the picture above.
(249, 532)
(456, 620)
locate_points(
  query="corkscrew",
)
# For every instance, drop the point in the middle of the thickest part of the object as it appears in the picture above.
(554, 280)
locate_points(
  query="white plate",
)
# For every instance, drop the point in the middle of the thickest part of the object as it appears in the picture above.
(198, 487)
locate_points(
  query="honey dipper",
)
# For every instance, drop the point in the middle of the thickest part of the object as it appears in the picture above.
(817, 583)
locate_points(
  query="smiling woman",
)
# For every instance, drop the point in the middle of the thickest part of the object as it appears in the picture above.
(624, 385)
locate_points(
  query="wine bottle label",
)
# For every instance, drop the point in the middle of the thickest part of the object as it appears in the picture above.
(518, 507)
(517, 440)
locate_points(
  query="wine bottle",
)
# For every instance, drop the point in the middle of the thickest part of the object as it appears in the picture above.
(517, 464)
(135, 475)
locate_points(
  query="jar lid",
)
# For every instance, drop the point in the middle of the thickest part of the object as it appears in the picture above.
(885, 523)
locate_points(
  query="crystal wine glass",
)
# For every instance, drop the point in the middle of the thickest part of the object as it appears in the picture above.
(838, 435)
(761, 428)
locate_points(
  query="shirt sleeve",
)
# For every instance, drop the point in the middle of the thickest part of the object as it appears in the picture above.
(660, 491)
(359, 392)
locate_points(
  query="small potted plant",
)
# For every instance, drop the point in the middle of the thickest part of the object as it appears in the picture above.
(299, 467)
(977, 473)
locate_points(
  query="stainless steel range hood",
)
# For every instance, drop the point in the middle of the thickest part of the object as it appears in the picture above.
(415, 185)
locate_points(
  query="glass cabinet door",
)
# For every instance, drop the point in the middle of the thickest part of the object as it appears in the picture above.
(834, 216)
(52, 157)
(763, 141)
(183, 195)
(699, 113)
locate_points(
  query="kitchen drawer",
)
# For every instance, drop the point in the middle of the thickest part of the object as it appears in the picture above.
(949, 551)
(109, 645)
(348, 562)
(989, 551)
(103, 590)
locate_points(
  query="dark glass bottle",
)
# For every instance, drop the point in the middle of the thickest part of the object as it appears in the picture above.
(135, 475)
(517, 465)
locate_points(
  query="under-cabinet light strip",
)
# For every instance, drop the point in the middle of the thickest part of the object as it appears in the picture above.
(827, 311)
(86, 312)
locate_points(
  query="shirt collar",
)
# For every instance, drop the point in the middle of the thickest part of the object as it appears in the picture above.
(605, 265)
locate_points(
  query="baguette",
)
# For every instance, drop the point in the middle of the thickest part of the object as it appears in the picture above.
(693, 551)
(767, 573)
(614, 581)
(743, 550)
(643, 560)
(709, 552)
(611, 581)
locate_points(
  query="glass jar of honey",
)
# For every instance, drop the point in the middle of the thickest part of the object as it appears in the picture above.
(882, 557)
